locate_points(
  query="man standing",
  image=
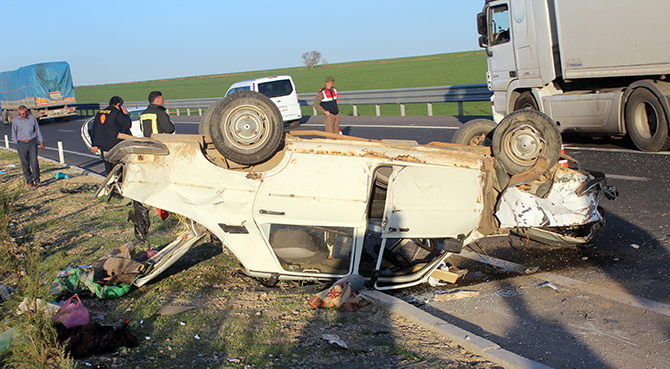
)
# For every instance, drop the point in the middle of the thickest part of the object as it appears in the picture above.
(26, 134)
(155, 119)
(326, 103)
(107, 125)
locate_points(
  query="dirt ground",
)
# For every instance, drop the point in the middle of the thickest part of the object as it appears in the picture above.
(235, 322)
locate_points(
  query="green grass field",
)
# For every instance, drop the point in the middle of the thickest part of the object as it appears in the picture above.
(422, 71)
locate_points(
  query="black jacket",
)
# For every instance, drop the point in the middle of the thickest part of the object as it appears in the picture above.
(107, 125)
(155, 114)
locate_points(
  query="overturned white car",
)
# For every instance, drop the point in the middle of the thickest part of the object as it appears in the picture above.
(322, 207)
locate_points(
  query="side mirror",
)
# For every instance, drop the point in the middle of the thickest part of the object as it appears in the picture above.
(483, 42)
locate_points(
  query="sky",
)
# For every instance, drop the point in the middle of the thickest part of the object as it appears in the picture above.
(127, 41)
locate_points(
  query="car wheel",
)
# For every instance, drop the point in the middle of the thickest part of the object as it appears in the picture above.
(475, 133)
(525, 101)
(646, 122)
(203, 127)
(524, 136)
(246, 127)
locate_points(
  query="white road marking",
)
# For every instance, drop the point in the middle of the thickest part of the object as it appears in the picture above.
(630, 178)
(66, 130)
(74, 152)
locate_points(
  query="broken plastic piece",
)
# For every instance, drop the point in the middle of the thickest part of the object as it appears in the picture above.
(334, 339)
(548, 284)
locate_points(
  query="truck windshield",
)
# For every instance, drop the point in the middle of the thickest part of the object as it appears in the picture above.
(499, 25)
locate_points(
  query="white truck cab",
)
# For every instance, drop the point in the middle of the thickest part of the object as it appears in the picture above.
(280, 89)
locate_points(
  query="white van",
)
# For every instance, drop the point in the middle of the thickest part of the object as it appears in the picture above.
(280, 89)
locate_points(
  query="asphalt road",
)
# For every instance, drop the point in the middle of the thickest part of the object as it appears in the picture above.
(611, 304)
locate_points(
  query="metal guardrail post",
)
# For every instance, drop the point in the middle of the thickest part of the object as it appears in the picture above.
(378, 110)
(460, 108)
(355, 110)
(430, 109)
(402, 110)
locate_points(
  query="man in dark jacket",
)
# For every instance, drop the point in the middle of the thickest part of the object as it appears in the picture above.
(107, 125)
(155, 119)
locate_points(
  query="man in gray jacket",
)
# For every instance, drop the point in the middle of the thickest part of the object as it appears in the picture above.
(27, 135)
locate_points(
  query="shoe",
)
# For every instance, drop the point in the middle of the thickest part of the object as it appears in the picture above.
(38, 184)
(31, 184)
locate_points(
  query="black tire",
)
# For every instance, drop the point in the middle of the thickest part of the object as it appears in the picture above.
(246, 127)
(203, 127)
(525, 101)
(646, 122)
(477, 132)
(524, 136)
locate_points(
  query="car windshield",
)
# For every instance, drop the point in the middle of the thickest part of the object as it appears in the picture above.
(275, 88)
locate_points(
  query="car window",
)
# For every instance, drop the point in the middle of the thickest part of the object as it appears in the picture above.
(243, 88)
(135, 114)
(276, 88)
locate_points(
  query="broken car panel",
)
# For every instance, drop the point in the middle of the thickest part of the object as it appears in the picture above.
(325, 207)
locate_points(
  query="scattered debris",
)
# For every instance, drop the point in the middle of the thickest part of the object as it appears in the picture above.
(83, 188)
(341, 295)
(174, 309)
(446, 273)
(635, 246)
(549, 285)
(39, 304)
(72, 313)
(94, 338)
(61, 175)
(334, 339)
(531, 270)
(454, 295)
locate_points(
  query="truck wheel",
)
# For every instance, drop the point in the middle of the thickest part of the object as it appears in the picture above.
(246, 127)
(646, 122)
(524, 136)
(525, 101)
(475, 133)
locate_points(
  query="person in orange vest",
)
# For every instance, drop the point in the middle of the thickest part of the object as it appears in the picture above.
(326, 103)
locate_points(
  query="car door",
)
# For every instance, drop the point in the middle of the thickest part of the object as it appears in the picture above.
(432, 202)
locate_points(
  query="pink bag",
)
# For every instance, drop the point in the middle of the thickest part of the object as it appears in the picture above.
(72, 313)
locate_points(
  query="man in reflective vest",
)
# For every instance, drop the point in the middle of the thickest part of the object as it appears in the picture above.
(326, 103)
(155, 119)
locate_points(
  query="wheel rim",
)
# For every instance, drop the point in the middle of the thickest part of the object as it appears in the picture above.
(246, 127)
(524, 145)
(645, 120)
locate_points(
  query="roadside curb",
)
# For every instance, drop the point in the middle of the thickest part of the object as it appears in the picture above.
(473, 343)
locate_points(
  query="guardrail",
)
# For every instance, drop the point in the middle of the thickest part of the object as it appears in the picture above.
(401, 96)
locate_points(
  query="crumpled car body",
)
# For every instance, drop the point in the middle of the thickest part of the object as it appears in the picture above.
(324, 208)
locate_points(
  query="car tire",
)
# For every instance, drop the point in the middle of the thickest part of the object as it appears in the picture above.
(477, 132)
(203, 127)
(646, 122)
(246, 127)
(524, 136)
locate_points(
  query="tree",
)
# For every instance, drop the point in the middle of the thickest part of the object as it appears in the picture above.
(311, 58)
